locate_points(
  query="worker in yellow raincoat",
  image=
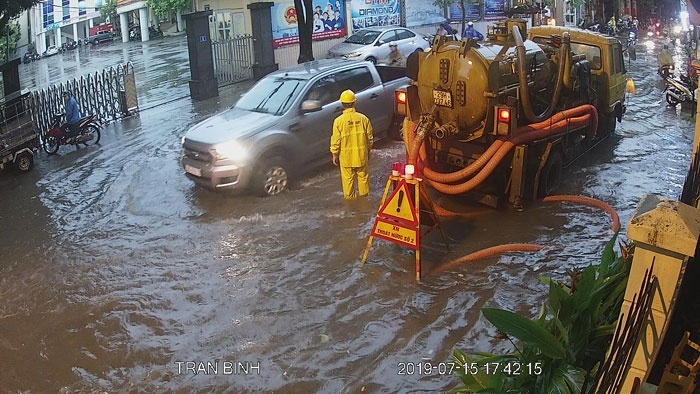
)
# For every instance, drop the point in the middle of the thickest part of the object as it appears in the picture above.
(350, 144)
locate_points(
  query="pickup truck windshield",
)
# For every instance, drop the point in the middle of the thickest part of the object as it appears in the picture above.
(364, 37)
(271, 95)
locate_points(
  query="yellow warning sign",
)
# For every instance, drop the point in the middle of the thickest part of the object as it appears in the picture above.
(400, 205)
(396, 233)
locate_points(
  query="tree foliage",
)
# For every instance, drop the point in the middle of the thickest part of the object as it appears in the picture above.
(109, 10)
(12, 8)
(9, 41)
(163, 7)
(305, 17)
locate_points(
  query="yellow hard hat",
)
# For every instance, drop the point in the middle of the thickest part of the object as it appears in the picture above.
(347, 96)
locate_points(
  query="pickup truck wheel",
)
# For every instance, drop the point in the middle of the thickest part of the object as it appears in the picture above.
(271, 177)
(372, 60)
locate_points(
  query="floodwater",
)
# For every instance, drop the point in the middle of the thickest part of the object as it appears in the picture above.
(117, 274)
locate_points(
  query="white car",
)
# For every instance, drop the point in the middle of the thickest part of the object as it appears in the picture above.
(50, 51)
(372, 43)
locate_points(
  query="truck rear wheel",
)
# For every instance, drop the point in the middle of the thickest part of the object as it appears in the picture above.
(550, 178)
(606, 124)
(396, 129)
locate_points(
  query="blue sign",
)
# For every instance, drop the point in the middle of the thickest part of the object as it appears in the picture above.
(473, 12)
(202, 38)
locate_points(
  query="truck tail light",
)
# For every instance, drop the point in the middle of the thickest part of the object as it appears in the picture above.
(400, 100)
(504, 115)
(503, 124)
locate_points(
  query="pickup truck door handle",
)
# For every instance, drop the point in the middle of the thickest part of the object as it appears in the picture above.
(337, 110)
(295, 127)
(374, 95)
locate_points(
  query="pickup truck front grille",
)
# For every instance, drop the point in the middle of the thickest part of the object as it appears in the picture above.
(197, 155)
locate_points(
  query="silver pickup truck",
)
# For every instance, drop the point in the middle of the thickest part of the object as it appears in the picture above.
(281, 127)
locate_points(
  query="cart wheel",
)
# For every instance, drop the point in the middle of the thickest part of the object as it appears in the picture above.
(24, 161)
(50, 144)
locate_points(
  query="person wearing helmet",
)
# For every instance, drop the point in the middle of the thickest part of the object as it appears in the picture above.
(471, 32)
(72, 116)
(351, 141)
(395, 57)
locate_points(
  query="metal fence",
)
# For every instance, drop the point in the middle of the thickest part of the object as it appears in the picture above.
(233, 59)
(110, 94)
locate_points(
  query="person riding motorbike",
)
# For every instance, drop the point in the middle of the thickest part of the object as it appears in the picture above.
(395, 57)
(72, 116)
(664, 57)
(471, 32)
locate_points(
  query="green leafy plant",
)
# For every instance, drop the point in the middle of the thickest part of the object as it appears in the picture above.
(561, 350)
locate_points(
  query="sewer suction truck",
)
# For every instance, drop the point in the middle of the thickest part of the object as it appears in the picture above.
(499, 120)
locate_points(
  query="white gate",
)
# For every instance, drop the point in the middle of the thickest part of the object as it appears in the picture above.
(233, 59)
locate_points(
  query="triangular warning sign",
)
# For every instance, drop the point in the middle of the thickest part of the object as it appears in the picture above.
(400, 205)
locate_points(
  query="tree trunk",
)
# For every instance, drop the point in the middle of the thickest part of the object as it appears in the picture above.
(305, 18)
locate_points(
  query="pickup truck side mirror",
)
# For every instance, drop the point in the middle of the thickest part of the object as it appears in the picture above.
(380, 43)
(310, 106)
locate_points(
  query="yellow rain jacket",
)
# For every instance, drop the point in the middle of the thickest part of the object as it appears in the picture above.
(352, 138)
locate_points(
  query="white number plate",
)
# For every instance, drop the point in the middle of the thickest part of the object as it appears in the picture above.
(442, 98)
(193, 171)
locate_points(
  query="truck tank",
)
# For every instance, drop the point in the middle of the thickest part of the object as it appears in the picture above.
(491, 118)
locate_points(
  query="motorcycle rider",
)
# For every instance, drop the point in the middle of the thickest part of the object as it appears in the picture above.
(471, 32)
(395, 57)
(72, 117)
(664, 58)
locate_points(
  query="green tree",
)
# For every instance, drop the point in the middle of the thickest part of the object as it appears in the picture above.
(12, 8)
(305, 17)
(109, 10)
(164, 7)
(8, 44)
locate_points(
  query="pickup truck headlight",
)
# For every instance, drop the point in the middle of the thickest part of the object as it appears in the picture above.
(231, 150)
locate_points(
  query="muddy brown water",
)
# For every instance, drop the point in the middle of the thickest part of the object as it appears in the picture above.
(117, 274)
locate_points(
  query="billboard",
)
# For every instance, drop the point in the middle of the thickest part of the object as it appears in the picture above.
(328, 22)
(419, 13)
(495, 10)
(473, 12)
(368, 13)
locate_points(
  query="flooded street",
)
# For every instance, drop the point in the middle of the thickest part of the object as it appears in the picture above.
(117, 274)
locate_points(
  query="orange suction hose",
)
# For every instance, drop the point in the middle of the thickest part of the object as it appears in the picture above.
(589, 201)
(503, 151)
(481, 254)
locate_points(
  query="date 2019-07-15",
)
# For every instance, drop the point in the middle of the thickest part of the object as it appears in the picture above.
(472, 368)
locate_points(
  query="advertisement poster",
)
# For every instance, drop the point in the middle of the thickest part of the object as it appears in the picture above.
(329, 22)
(368, 13)
(420, 12)
(494, 10)
(473, 12)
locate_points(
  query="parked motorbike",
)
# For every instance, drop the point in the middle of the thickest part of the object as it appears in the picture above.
(88, 134)
(155, 33)
(680, 90)
(666, 71)
(135, 34)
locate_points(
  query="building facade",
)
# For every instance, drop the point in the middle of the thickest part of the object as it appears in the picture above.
(53, 22)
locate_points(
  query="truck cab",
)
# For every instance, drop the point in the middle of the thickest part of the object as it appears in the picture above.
(607, 68)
